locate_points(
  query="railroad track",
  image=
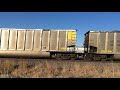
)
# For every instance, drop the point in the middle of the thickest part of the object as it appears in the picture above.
(49, 60)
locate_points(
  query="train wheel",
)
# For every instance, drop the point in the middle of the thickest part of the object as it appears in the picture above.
(110, 59)
(59, 58)
(65, 57)
(53, 56)
(104, 58)
(87, 57)
(96, 58)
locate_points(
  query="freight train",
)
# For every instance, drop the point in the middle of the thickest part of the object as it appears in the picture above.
(58, 44)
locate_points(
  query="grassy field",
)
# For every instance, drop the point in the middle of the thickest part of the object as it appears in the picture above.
(58, 69)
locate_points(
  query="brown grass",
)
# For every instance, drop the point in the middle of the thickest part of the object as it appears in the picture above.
(58, 69)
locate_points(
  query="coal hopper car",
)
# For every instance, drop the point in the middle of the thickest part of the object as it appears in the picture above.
(102, 45)
(38, 43)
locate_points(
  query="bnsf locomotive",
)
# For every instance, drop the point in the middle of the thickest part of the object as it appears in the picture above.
(59, 44)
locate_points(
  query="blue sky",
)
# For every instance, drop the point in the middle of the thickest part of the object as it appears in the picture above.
(82, 21)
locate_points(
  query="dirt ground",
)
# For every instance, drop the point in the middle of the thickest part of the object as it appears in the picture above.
(22, 68)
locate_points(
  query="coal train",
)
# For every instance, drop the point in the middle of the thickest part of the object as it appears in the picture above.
(58, 44)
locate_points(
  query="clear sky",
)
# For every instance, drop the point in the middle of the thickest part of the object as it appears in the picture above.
(82, 21)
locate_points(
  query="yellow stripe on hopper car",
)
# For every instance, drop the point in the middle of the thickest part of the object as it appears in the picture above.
(103, 50)
(69, 35)
(108, 51)
(63, 49)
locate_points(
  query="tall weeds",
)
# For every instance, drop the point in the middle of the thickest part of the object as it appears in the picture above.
(58, 69)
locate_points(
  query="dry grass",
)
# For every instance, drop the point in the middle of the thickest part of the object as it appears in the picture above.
(58, 69)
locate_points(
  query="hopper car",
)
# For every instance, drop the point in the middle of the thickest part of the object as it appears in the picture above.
(102, 45)
(38, 43)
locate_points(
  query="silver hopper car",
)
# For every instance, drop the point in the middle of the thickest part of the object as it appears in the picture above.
(39, 43)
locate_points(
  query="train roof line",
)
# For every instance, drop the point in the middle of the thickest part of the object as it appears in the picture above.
(41, 29)
(103, 31)
(106, 31)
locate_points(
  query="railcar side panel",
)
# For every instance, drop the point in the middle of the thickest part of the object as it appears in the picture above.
(0, 38)
(45, 40)
(37, 40)
(93, 40)
(62, 40)
(4, 39)
(12, 40)
(21, 40)
(117, 42)
(110, 42)
(29, 40)
(53, 40)
(101, 42)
